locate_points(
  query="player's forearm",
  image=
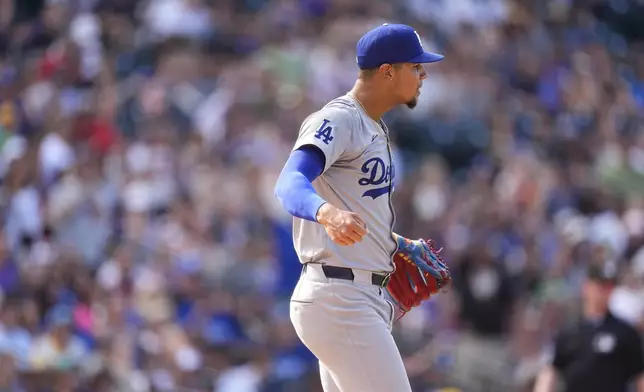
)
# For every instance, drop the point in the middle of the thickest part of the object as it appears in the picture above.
(546, 380)
(294, 188)
(639, 384)
(297, 196)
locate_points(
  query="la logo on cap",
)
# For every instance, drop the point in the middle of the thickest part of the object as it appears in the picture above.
(420, 42)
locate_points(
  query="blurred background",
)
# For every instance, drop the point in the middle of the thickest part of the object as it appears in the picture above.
(142, 248)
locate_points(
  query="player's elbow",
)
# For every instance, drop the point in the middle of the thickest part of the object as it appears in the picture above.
(284, 189)
(280, 190)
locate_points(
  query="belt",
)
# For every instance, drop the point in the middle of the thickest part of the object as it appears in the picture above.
(333, 272)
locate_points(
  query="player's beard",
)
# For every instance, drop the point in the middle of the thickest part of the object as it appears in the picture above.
(412, 103)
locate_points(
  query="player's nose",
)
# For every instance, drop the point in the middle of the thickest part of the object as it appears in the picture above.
(423, 73)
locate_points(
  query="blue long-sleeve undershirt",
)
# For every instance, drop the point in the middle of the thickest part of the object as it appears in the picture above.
(294, 187)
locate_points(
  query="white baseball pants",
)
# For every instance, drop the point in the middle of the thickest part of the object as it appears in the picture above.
(347, 326)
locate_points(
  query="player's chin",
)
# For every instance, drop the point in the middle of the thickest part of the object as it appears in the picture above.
(412, 103)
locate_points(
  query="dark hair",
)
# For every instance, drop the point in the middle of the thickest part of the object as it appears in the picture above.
(603, 272)
(369, 72)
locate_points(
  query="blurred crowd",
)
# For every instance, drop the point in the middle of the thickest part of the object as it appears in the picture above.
(142, 248)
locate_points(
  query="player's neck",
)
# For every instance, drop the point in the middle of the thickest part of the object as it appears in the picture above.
(595, 311)
(372, 101)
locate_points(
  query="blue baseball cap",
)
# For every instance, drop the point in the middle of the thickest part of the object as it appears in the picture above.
(392, 44)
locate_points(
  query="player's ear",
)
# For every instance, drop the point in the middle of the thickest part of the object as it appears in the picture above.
(387, 71)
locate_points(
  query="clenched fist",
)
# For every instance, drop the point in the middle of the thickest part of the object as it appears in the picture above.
(343, 227)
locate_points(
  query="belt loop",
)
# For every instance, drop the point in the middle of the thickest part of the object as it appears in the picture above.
(385, 281)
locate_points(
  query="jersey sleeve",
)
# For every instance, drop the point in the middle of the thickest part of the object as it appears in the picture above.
(330, 131)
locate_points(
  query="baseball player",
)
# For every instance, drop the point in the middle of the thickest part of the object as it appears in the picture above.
(358, 276)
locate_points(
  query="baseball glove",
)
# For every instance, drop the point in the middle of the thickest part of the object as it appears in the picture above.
(420, 273)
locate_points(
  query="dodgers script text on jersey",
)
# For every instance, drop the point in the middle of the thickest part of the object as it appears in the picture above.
(378, 174)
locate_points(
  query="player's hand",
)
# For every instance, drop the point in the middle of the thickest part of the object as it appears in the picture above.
(343, 227)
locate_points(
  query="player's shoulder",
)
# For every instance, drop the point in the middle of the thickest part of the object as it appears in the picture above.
(341, 110)
(624, 326)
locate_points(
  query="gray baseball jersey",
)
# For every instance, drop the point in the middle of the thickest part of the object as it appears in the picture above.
(358, 177)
